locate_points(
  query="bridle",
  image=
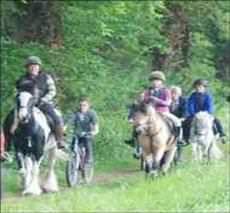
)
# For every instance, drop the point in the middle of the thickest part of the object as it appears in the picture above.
(27, 107)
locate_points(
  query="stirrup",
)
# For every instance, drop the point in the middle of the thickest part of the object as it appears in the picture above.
(223, 141)
(182, 143)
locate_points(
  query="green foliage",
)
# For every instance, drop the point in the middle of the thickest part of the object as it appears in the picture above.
(106, 56)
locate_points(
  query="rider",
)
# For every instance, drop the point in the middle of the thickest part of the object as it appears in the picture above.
(178, 107)
(160, 98)
(179, 103)
(45, 94)
(86, 127)
(201, 100)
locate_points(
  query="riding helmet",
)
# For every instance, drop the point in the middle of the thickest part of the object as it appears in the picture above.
(157, 75)
(199, 82)
(33, 60)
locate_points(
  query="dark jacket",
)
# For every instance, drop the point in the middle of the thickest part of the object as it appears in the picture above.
(43, 82)
(83, 121)
(179, 108)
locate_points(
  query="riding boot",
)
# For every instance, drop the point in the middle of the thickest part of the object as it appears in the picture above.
(59, 133)
(178, 154)
(179, 135)
(137, 152)
(130, 142)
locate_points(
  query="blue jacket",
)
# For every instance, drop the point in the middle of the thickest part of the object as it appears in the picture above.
(200, 102)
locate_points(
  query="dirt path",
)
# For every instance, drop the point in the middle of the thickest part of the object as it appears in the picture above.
(99, 179)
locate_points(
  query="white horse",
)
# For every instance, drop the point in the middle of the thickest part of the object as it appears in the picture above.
(203, 139)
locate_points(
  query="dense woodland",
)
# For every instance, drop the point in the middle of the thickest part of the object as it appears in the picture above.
(106, 49)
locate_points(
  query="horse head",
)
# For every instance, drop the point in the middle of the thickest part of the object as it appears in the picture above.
(140, 114)
(25, 103)
(203, 122)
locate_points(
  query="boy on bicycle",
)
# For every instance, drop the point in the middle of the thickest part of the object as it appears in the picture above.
(86, 127)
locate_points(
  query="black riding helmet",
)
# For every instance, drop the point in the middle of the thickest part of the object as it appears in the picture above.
(199, 82)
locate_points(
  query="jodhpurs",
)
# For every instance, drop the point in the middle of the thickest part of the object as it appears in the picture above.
(87, 142)
(50, 110)
(175, 119)
(218, 128)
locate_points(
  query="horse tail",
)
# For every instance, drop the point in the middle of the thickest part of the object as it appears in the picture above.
(215, 152)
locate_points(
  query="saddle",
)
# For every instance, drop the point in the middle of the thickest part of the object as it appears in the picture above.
(170, 124)
(50, 122)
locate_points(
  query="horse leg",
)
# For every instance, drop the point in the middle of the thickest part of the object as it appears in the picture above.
(50, 183)
(27, 173)
(200, 152)
(33, 171)
(195, 151)
(168, 158)
(148, 163)
(157, 157)
(21, 169)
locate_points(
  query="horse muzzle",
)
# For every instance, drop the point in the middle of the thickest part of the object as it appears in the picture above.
(23, 119)
(23, 115)
(141, 129)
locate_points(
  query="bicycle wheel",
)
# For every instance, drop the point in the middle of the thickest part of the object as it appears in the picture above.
(87, 173)
(72, 170)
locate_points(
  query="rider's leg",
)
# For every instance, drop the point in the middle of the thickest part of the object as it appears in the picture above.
(186, 129)
(89, 150)
(131, 141)
(59, 125)
(177, 123)
(219, 128)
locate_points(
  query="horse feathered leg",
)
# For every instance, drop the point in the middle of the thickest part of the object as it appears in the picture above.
(168, 158)
(50, 183)
(32, 173)
(157, 157)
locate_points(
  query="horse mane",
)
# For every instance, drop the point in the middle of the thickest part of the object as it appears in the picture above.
(154, 118)
(203, 115)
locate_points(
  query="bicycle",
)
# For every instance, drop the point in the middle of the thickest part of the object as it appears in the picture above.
(76, 168)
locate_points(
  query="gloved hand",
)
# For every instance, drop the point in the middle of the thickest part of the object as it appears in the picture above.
(153, 98)
(85, 134)
(82, 134)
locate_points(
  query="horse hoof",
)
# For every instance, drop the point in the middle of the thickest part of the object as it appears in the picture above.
(164, 173)
(153, 174)
(29, 192)
(46, 190)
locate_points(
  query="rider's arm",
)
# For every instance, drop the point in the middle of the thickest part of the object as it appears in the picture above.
(209, 104)
(51, 90)
(94, 123)
(184, 107)
(164, 101)
(191, 106)
(95, 129)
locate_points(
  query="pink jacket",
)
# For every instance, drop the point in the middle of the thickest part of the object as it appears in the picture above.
(160, 99)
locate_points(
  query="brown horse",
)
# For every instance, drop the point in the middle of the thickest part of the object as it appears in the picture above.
(155, 136)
